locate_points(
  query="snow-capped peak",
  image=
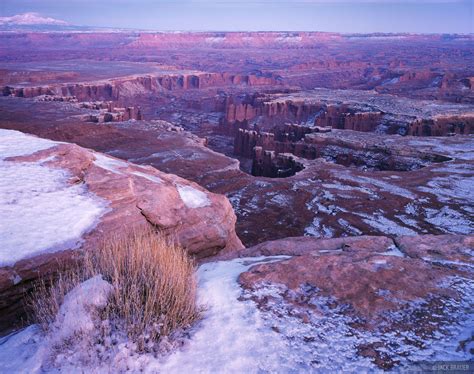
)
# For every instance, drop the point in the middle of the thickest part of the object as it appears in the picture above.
(30, 19)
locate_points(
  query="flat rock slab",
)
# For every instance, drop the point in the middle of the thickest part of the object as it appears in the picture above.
(395, 303)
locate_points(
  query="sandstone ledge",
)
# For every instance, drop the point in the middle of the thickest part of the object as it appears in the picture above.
(130, 195)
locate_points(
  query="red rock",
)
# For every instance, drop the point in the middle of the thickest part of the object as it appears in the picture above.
(136, 196)
(396, 301)
(301, 245)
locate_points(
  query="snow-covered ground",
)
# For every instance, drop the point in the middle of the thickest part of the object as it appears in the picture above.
(328, 342)
(232, 337)
(235, 336)
(40, 211)
(462, 150)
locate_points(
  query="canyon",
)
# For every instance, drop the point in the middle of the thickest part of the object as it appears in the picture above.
(330, 174)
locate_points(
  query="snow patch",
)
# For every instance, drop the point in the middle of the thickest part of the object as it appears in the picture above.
(19, 352)
(328, 342)
(455, 168)
(454, 186)
(384, 186)
(346, 187)
(348, 227)
(30, 351)
(76, 312)
(108, 163)
(232, 338)
(216, 39)
(39, 210)
(462, 150)
(317, 230)
(15, 143)
(449, 220)
(289, 39)
(385, 225)
(152, 178)
(280, 199)
(393, 251)
(409, 222)
(192, 197)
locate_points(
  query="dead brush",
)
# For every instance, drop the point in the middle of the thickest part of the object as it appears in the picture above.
(154, 286)
(48, 294)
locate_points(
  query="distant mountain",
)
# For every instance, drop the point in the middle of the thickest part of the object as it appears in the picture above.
(31, 19)
(37, 22)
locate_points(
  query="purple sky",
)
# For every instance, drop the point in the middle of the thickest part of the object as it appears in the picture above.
(421, 16)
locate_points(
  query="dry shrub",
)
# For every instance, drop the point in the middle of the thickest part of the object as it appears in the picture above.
(48, 295)
(153, 280)
(154, 285)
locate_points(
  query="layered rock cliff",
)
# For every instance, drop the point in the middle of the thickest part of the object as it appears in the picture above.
(344, 110)
(115, 89)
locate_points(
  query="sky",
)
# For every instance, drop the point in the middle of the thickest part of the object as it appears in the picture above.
(347, 16)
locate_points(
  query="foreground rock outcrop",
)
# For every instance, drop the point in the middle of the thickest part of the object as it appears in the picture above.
(59, 197)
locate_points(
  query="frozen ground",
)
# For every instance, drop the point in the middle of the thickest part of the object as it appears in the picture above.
(232, 337)
(40, 211)
(329, 340)
(237, 337)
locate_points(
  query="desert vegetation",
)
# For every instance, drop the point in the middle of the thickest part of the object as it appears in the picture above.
(152, 293)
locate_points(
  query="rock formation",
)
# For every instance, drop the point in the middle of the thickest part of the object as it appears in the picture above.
(443, 125)
(120, 88)
(269, 164)
(130, 195)
(347, 110)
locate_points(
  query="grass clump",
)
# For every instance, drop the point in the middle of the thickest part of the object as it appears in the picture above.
(153, 287)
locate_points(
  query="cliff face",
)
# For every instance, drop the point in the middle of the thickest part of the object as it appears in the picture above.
(341, 117)
(442, 126)
(116, 89)
(282, 139)
(417, 76)
(240, 112)
(98, 111)
(108, 112)
(268, 113)
(274, 165)
(277, 113)
(271, 153)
